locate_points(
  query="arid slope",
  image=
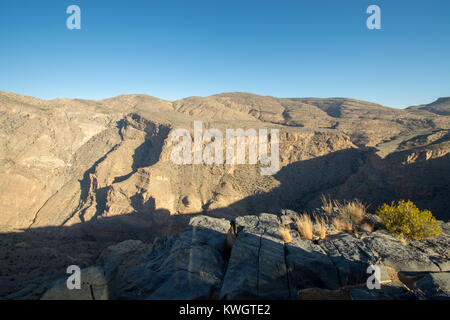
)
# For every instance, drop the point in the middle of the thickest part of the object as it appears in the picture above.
(70, 161)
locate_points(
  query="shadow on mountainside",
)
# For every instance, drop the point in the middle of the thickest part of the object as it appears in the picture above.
(34, 257)
(147, 154)
(350, 174)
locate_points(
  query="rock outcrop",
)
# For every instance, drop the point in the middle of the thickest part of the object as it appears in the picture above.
(196, 265)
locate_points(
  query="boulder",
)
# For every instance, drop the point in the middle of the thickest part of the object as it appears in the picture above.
(434, 286)
(309, 266)
(350, 256)
(96, 283)
(399, 256)
(241, 278)
(437, 249)
(272, 271)
(189, 266)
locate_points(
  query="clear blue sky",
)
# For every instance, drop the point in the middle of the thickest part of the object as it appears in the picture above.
(174, 49)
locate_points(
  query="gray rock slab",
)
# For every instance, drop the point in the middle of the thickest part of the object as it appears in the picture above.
(434, 286)
(190, 266)
(241, 278)
(396, 255)
(309, 267)
(257, 265)
(350, 256)
(437, 249)
(95, 285)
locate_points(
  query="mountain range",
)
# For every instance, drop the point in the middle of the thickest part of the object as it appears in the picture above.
(78, 175)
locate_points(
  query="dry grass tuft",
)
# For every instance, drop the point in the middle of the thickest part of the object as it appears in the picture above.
(393, 275)
(352, 210)
(366, 227)
(305, 226)
(320, 227)
(342, 225)
(327, 205)
(403, 240)
(285, 232)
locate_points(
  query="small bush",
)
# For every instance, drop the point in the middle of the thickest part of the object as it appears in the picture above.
(406, 220)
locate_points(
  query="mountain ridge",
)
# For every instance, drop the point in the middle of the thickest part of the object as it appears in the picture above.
(437, 101)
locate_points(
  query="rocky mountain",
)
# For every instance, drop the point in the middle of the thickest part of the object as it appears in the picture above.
(441, 106)
(78, 175)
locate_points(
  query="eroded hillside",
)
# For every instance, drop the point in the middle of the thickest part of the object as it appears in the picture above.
(79, 175)
(70, 161)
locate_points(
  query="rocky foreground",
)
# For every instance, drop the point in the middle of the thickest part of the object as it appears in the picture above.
(248, 259)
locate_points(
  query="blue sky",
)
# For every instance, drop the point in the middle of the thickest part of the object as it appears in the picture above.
(174, 49)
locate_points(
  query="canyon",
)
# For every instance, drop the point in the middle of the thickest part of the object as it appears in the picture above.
(77, 176)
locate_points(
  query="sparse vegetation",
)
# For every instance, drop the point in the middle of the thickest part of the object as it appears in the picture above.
(404, 219)
(352, 210)
(285, 232)
(352, 217)
(366, 227)
(320, 227)
(305, 226)
(407, 221)
(311, 228)
(327, 205)
(403, 240)
(342, 225)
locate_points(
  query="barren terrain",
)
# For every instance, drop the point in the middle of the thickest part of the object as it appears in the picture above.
(79, 175)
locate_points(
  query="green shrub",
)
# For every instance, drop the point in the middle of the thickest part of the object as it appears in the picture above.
(408, 221)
